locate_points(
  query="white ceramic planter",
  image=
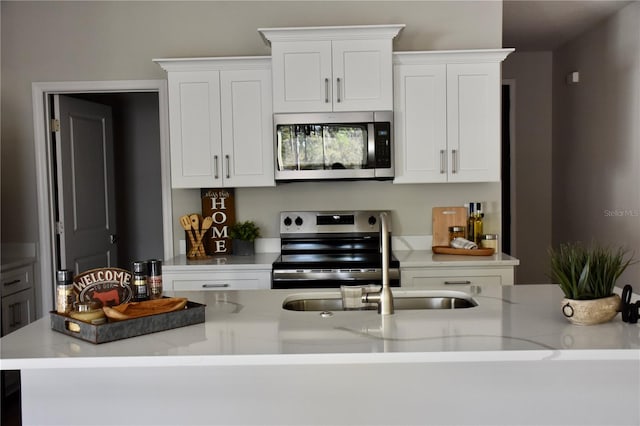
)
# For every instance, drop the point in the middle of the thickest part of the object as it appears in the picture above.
(589, 312)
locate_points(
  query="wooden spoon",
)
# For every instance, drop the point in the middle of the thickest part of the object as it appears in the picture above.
(185, 221)
(195, 222)
(206, 224)
(195, 225)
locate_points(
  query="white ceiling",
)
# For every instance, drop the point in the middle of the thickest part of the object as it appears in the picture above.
(547, 24)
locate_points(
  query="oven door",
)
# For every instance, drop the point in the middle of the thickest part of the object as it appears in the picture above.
(287, 278)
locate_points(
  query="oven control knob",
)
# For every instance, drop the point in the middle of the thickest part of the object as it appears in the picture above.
(287, 221)
(298, 221)
(372, 220)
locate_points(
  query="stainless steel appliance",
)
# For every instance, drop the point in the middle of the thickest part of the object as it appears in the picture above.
(343, 145)
(325, 249)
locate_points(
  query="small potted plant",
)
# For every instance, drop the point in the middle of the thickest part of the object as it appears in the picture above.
(244, 235)
(587, 276)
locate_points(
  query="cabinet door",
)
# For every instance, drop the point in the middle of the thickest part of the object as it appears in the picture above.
(473, 117)
(420, 122)
(194, 120)
(17, 310)
(302, 76)
(247, 128)
(362, 75)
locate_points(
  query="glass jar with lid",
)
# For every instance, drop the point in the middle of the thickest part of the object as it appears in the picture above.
(456, 232)
(489, 241)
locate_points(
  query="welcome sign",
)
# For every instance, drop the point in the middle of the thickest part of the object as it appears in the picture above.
(219, 204)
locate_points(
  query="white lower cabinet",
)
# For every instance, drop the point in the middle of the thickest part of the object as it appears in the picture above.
(460, 278)
(16, 289)
(216, 280)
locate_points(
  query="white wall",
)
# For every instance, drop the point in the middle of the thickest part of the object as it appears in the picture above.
(61, 41)
(532, 73)
(596, 150)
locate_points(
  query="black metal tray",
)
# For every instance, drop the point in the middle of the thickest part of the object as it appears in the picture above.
(193, 313)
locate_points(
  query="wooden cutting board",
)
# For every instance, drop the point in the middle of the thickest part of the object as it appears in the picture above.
(443, 218)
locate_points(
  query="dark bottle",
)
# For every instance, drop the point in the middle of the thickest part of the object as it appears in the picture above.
(155, 278)
(471, 220)
(65, 296)
(140, 285)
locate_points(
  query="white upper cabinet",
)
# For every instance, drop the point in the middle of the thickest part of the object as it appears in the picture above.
(447, 116)
(220, 118)
(324, 69)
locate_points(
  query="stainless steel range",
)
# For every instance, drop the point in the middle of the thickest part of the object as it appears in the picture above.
(324, 249)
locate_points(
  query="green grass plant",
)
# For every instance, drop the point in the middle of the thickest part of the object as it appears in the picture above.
(247, 231)
(588, 272)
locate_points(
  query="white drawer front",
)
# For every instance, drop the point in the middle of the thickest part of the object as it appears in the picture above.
(453, 282)
(188, 285)
(217, 281)
(16, 280)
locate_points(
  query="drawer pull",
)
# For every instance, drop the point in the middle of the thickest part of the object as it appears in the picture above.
(215, 285)
(462, 282)
(14, 282)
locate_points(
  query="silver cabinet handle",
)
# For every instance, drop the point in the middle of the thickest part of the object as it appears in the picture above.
(326, 90)
(215, 167)
(454, 161)
(226, 158)
(461, 282)
(215, 285)
(338, 89)
(443, 161)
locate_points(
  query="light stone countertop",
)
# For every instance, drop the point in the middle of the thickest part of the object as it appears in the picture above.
(258, 261)
(251, 328)
(426, 259)
(407, 258)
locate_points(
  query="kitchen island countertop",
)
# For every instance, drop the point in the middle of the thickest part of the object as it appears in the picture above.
(253, 362)
(249, 327)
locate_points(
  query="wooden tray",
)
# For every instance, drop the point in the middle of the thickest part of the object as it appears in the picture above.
(467, 252)
(142, 309)
(193, 313)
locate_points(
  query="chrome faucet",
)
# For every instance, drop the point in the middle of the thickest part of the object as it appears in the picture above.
(384, 298)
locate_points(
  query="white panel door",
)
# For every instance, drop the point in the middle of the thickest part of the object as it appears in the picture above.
(302, 76)
(86, 184)
(473, 105)
(362, 75)
(194, 121)
(247, 128)
(420, 123)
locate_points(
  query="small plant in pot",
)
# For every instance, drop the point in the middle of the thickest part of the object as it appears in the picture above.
(587, 276)
(244, 235)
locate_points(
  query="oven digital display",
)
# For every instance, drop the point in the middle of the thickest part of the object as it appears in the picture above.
(335, 219)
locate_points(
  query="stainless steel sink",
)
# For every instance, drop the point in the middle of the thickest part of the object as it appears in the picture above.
(402, 300)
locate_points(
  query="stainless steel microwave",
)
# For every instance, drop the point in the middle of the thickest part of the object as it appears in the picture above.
(332, 146)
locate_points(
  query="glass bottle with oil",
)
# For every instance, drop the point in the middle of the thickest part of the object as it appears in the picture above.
(477, 224)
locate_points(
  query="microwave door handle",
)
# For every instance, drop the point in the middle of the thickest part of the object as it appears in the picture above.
(371, 145)
(279, 149)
